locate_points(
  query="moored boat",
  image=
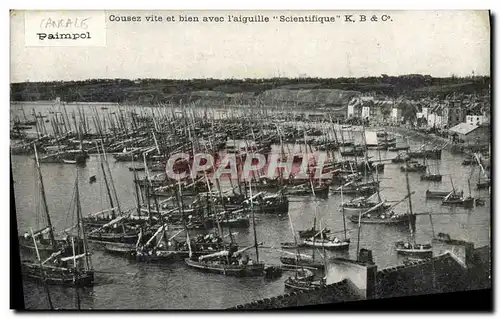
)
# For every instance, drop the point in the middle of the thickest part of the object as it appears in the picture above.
(328, 243)
(414, 249)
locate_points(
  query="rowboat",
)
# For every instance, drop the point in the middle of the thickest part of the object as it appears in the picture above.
(407, 248)
(327, 243)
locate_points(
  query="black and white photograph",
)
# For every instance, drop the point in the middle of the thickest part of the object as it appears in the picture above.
(250, 160)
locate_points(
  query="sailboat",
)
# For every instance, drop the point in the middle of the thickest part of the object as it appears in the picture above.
(303, 281)
(230, 261)
(329, 242)
(298, 258)
(304, 278)
(37, 240)
(457, 198)
(411, 247)
(432, 177)
(74, 270)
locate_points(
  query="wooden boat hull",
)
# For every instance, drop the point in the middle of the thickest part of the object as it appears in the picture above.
(419, 250)
(301, 285)
(163, 256)
(236, 223)
(228, 270)
(467, 203)
(310, 233)
(113, 238)
(436, 194)
(319, 192)
(431, 178)
(327, 245)
(483, 185)
(414, 252)
(56, 276)
(355, 210)
(291, 245)
(398, 148)
(430, 154)
(120, 248)
(414, 169)
(405, 220)
(302, 262)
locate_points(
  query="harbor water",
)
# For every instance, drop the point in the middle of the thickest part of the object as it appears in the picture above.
(127, 284)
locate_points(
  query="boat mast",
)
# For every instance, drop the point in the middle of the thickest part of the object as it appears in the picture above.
(41, 270)
(81, 226)
(253, 224)
(412, 235)
(106, 182)
(343, 211)
(44, 199)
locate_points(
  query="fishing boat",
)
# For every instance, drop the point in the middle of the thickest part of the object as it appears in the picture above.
(398, 159)
(430, 154)
(305, 190)
(352, 152)
(458, 199)
(438, 194)
(483, 184)
(414, 167)
(430, 176)
(411, 247)
(359, 205)
(53, 275)
(301, 261)
(92, 179)
(386, 218)
(308, 233)
(236, 220)
(398, 148)
(228, 263)
(123, 249)
(43, 240)
(291, 245)
(303, 281)
(74, 270)
(137, 169)
(328, 243)
(454, 199)
(408, 248)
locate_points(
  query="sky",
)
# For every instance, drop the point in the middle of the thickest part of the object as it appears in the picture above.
(438, 43)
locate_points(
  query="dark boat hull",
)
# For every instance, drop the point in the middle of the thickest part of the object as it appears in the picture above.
(432, 178)
(57, 276)
(302, 262)
(386, 221)
(301, 285)
(228, 270)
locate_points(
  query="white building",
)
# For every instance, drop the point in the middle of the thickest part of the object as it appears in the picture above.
(476, 119)
(396, 114)
(425, 112)
(365, 112)
(434, 120)
(350, 110)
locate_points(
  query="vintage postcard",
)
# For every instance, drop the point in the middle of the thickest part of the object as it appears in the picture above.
(248, 159)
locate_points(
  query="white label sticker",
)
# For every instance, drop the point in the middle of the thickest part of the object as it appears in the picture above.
(65, 28)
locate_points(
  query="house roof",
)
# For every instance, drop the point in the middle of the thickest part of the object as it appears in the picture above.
(463, 128)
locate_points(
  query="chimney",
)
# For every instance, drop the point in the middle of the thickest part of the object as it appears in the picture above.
(365, 256)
